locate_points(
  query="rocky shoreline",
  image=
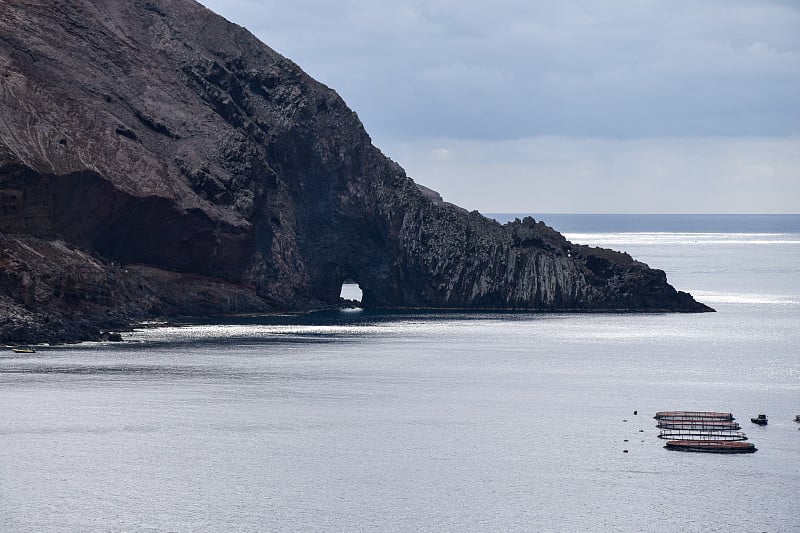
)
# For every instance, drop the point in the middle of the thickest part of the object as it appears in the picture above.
(53, 293)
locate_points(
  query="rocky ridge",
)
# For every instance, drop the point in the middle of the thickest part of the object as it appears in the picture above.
(159, 161)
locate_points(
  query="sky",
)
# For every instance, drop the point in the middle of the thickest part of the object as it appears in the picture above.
(529, 106)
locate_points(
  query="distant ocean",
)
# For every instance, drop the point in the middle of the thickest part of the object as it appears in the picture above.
(630, 223)
(409, 421)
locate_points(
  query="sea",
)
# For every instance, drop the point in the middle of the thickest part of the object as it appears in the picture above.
(361, 420)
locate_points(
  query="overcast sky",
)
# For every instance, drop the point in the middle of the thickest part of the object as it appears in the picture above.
(555, 107)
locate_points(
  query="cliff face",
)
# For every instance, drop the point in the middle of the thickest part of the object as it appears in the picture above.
(152, 144)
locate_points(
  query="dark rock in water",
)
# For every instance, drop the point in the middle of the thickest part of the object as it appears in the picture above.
(159, 161)
(112, 336)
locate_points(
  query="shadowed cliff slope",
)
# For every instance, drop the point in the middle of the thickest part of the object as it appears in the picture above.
(157, 160)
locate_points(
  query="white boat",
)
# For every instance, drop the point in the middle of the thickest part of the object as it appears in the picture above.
(23, 349)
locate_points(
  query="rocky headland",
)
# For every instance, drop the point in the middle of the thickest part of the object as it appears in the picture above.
(157, 161)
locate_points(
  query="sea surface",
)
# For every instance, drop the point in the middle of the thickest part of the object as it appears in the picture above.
(369, 421)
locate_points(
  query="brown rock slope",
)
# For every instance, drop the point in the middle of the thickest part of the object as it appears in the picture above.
(157, 160)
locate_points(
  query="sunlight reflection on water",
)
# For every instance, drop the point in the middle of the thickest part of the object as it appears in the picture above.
(683, 239)
(419, 421)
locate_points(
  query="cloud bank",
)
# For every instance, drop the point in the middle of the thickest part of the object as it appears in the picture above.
(571, 175)
(667, 88)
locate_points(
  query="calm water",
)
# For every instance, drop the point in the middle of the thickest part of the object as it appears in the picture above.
(437, 422)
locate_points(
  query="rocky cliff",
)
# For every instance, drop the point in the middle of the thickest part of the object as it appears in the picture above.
(157, 160)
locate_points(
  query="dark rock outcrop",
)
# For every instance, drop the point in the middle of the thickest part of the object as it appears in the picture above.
(157, 160)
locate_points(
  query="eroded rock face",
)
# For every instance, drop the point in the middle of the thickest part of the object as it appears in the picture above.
(52, 291)
(157, 134)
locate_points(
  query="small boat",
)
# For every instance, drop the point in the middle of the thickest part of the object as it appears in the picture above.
(711, 446)
(23, 349)
(797, 418)
(761, 420)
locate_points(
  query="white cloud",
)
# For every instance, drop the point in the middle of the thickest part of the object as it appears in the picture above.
(566, 175)
(625, 106)
(518, 68)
